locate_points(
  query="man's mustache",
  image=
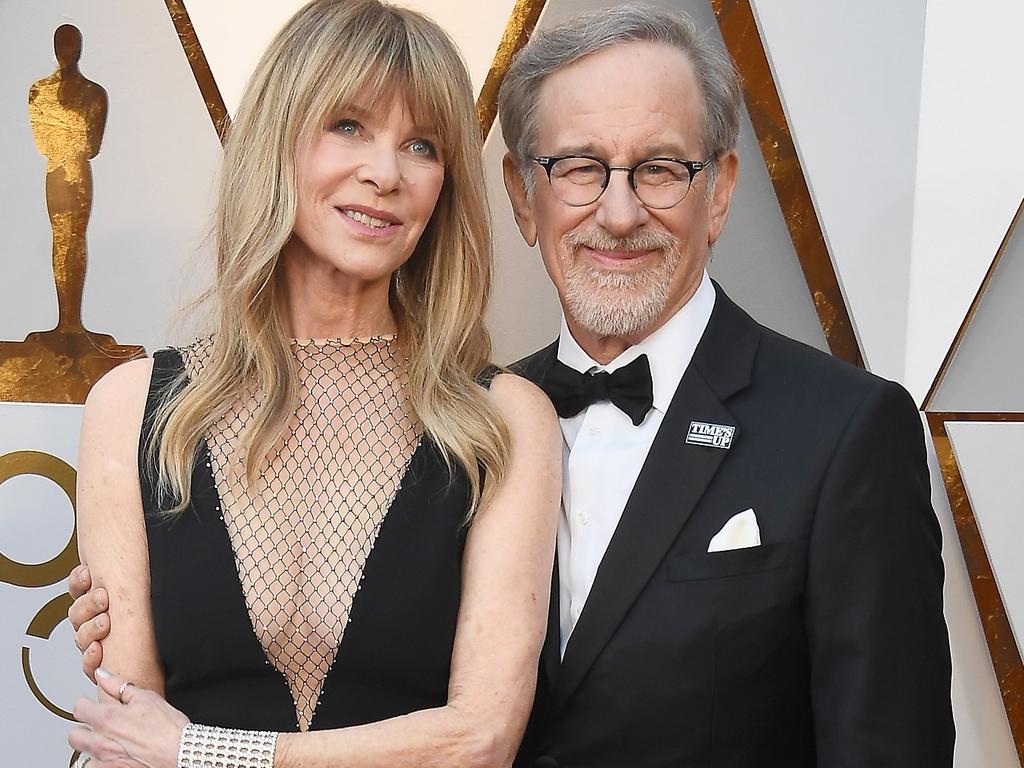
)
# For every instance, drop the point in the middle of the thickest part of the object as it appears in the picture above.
(645, 240)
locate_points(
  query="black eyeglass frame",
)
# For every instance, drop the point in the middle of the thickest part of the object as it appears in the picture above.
(693, 167)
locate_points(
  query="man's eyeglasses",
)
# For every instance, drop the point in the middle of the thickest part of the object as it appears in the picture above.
(659, 182)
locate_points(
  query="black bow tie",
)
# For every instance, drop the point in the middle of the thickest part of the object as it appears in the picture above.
(629, 389)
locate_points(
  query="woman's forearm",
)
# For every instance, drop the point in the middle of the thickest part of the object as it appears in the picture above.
(442, 737)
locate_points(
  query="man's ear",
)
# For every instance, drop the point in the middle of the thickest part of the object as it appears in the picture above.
(725, 183)
(522, 207)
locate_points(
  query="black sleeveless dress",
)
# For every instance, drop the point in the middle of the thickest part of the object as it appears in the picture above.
(395, 655)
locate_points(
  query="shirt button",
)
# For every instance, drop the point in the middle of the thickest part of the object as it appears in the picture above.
(593, 431)
(576, 611)
(583, 517)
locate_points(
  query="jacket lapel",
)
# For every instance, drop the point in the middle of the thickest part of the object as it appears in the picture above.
(668, 489)
(550, 655)
(536, 365)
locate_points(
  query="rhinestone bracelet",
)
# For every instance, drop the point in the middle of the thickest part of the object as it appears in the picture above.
(204, 746)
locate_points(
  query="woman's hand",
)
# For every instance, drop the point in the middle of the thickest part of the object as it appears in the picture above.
(135, 727)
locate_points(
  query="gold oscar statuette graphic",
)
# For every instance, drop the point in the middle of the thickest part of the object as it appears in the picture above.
(68, 113)
(49, 617)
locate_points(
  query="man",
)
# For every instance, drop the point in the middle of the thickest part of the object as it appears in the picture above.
(748, 569)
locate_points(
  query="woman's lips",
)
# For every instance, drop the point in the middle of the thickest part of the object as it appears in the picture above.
(363, 222)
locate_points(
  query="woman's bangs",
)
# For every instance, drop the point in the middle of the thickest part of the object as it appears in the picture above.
(393, 58)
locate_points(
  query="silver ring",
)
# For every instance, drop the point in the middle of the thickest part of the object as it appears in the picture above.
(120, 691)
(82, 760)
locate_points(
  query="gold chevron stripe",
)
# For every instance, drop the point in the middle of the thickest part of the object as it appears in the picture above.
(520, 25)
(743, 40)
(1003, 647)
(200, 67)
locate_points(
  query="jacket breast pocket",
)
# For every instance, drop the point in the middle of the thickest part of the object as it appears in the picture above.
(735, 562)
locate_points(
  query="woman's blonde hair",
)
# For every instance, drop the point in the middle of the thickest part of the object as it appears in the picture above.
(329, 54)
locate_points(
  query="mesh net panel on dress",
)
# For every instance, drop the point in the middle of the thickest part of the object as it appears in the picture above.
(301, 537)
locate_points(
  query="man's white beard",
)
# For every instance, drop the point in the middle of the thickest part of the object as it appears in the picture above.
(617, 303)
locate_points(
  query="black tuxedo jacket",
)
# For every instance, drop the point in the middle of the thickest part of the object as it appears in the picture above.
(826, 645)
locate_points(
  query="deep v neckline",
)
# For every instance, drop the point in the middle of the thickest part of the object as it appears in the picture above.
(252, 634)
(395, 655)
(300, 540)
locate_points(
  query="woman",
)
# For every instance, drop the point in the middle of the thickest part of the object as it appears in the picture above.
(320, 521)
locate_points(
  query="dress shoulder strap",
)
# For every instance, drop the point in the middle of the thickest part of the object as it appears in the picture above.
(167, 365)
(486, 376)
(167, 378)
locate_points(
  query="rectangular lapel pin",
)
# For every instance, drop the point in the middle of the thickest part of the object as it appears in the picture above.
(711, 435)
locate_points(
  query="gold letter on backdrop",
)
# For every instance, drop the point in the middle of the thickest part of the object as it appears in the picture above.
(46, 620)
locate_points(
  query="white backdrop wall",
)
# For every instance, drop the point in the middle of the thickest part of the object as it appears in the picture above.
(849, 75)
(880, 96)
(970, 173)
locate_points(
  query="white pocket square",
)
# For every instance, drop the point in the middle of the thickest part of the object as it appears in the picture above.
(740, 532)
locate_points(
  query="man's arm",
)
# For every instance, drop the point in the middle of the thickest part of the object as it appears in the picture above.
(880, 661)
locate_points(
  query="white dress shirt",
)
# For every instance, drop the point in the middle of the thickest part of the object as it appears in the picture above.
(604, 453)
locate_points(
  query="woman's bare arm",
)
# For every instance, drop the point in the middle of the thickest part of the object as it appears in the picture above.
(111, 530)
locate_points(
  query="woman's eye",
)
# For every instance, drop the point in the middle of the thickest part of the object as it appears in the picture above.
(347, 127)
(422, 148)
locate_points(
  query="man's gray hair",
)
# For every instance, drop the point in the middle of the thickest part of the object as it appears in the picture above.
(551, 49)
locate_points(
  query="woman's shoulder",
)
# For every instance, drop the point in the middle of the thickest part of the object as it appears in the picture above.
(114, 411)
(125, 384)
(520, 401)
